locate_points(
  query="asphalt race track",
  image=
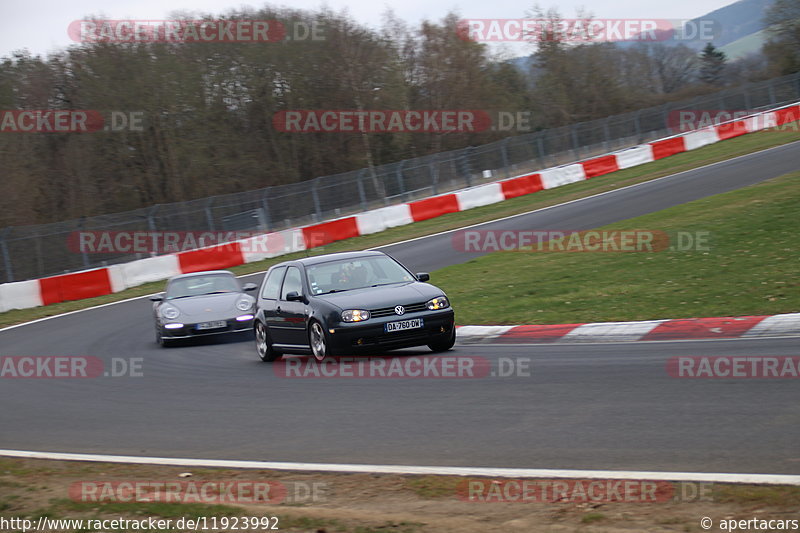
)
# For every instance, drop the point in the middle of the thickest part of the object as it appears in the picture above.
(588, 406)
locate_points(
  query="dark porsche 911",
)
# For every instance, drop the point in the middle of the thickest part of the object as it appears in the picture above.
(202, 303)
(346, 303)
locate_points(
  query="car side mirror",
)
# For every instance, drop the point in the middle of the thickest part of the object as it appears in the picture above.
(423, 276)
(293, 296)
(249, 286)
(157, 298)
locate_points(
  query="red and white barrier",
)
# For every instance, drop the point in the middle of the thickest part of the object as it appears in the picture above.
(273, 244)
(647, 330)
(98, 282)
(698, 139)
(491, 193)
(143, 271)
(631, 157)
(20, 295)
(556, 177)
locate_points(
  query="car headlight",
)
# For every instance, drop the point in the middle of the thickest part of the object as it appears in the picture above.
(169, 312)
(440, 302)
(355, 315)
(244, 304)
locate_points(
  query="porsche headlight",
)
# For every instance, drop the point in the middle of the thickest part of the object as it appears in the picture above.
(169, 312)
(440, 302)
(355, 315)
(244, 304)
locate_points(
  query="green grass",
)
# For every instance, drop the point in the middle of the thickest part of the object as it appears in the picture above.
(161, 509)
(761, 495)
(590, 518)
(752, 266)
(710, 154)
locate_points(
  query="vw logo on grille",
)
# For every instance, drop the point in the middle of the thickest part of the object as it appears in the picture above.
(399, 309)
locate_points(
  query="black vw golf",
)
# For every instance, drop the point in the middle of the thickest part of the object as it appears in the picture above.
(347, 303)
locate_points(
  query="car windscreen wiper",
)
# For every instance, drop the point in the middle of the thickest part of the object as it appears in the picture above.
(388, 283)
(336, 290)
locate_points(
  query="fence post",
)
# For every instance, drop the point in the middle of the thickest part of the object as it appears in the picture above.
(265, 208)
(434, 166)
(84, 256)
(606, 136)
(317, 215)
(504, 155)
(400, 182)
(771, 92)
(6, 256)
(573, 131)
(362, 195)
(151, 222)
(540, 149)
(465, 164)
(209, 216)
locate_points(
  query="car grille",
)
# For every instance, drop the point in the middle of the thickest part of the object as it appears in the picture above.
(389, 311)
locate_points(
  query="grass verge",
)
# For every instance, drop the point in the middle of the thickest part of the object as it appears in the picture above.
(365, 503)
(685, 161)
(748, 264)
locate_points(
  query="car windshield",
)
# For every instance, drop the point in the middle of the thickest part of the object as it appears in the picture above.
(200, 285)
(350, 274)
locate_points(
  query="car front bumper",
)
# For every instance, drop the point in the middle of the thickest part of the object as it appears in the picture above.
(190, 330)
(371, 335)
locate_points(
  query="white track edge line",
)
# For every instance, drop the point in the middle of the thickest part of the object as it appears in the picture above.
(771, 479)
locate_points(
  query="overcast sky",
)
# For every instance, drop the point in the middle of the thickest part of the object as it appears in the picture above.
(41, 25)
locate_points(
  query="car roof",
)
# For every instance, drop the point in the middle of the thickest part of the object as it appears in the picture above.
(314, 260)
(203, 273)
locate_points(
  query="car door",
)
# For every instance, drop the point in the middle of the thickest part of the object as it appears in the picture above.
(292, 314)
(268, 302)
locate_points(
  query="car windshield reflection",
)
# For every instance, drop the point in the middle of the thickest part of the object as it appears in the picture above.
(201, 286)
(352, 274)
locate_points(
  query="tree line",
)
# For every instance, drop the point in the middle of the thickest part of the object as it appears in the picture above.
(207, 109)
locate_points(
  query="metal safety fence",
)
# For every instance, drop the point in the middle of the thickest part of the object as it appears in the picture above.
(28, 252)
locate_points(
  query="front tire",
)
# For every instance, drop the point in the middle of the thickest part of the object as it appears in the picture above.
(265, 350)
(318, 341)
(445, 344)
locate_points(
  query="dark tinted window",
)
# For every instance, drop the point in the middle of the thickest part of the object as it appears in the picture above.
(272, 285)
(292, 282)
(202, 284)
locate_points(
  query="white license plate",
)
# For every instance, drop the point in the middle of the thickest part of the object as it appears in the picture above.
(212, 325)
(414, 323)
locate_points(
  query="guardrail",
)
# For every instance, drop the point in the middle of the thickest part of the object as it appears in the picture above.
(101, 281)
(36, 251)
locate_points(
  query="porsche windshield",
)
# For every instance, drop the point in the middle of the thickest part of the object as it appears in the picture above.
(349, 274)
(200, 285)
